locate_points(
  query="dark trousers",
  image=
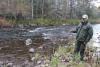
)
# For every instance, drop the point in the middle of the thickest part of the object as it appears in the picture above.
(80, 48)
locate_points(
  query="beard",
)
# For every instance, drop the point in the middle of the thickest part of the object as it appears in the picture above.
(84, 22)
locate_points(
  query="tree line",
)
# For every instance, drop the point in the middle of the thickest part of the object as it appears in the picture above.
(58, 9)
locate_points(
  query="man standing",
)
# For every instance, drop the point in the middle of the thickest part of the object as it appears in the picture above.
(84, 34)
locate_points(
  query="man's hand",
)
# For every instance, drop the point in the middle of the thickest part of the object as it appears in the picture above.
(85, 42)
(72, 31)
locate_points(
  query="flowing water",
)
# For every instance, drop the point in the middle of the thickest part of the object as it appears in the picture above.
(96, 35)
(95, 41)
(17, 45)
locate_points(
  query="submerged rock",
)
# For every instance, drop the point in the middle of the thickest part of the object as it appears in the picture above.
(32, 50)
(28, 41)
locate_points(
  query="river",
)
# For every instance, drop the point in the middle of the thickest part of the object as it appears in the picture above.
(20, 44)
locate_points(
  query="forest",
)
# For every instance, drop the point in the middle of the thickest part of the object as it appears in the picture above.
(48, 12)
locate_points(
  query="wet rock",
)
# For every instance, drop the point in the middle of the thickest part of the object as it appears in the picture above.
(28, 42)
(0, 48)
(9, 64)
(46, 65)
(26, 62)
(42, 65)
(32, 50)
(39, 62)
(46, 61)
(1, 62)
(41, 47)
(33, 58)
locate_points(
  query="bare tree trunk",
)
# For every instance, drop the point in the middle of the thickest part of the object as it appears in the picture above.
(8, 4)
(71, 8)
(32, 8)
(42, 8)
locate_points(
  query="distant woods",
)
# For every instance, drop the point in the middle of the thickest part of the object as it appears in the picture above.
(53, 9)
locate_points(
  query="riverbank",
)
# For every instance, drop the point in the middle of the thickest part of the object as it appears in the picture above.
(63, 57)
(43, 22)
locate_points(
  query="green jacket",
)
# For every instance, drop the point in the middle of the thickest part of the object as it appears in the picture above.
(84, 32)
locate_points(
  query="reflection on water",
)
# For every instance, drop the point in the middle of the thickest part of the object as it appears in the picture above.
(95, 42)
(96, 35)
